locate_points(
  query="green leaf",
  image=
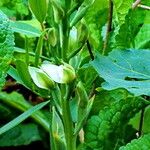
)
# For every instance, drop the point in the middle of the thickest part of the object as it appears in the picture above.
(17, 101)
(24, 28)
(96, 18)
(23, 72)
(39, 49)
(58, 135)
(111, 121)
(87, 75)
(22, 117)
(22, 134)
(121, 10)
(39, 9)
(143, 143)
(127, 69)
(142, 40)
(5, 112)
(124, 35)
(14, 74)
(146, 124)
(6, 47)
(106, 98)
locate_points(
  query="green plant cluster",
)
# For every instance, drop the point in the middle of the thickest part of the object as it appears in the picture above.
(74, 74)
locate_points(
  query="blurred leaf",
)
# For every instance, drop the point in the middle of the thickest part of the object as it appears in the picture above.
(127, 69)
(142, 40)
(146, 124)
(17, 101)
(5, 112)
(25, 29)
(121, 10)
(14, 8)
(22, 134)
(39, 9)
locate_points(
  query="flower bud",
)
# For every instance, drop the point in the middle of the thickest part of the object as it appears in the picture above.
(40, 78)
(68, 73)
(60, 74)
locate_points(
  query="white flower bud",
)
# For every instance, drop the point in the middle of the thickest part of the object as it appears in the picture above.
(60, 74)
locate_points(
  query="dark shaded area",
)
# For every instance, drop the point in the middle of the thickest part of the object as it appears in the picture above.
(33, 146)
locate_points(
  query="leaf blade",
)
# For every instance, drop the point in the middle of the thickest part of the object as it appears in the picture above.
(22, 117)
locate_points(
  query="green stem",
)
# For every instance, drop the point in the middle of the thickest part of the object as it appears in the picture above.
(65, 40)
(68, 126)
(67, 120)
(27, 50)
(52, 145)
(65, 30)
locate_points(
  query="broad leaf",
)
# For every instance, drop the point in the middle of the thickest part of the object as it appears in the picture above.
(127, 69)
(22, 134)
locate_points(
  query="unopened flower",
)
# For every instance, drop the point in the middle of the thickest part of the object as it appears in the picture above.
(60, 74)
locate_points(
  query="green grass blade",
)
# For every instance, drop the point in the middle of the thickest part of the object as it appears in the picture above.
(22, 117)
